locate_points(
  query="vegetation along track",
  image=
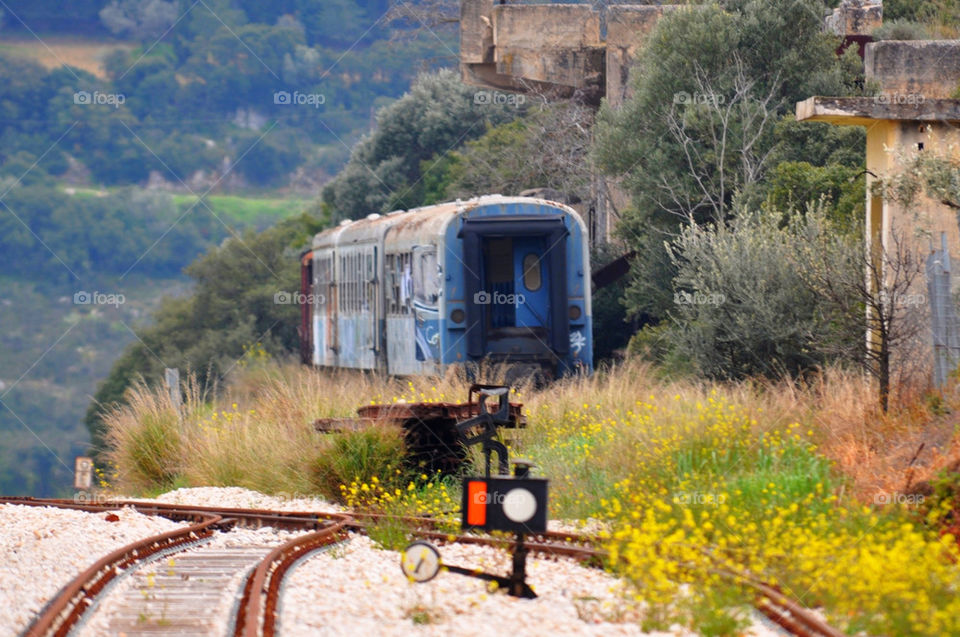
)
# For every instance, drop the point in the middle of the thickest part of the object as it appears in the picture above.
(258, 607)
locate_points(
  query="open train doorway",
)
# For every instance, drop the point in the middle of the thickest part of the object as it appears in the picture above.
(517, 287)
(515, 274)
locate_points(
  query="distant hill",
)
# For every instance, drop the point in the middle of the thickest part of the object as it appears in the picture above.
(101, 112)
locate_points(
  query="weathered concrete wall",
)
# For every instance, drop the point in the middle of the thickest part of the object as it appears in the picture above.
(533, 47)
(476, 32)
(546, 26)
(553, 43)
(928, 68)
(855, 17)
(627, 29)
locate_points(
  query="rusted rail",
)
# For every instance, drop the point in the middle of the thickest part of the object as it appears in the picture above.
(261, 594)
(67, 608)
(257, 612)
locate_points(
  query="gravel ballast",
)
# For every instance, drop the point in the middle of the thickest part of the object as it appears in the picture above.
(354, 588)
(236, 497)
(358, 589)
(43, 548)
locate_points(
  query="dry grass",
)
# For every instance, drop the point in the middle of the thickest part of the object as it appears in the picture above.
(877, 452)
(55, 51)
(259, 433)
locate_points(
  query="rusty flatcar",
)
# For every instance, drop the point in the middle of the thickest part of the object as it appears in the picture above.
(505, 279)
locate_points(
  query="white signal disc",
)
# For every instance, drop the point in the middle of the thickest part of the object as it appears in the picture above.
(519, 505)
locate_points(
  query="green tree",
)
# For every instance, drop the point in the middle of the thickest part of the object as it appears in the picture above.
(793, 185)
(237, 301)
(546, 148)
(742, 305)
(703, 126)
(939, 13)
(386, 168)
(140, 19)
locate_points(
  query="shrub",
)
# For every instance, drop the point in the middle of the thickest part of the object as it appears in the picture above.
(901, 30)
(740, 306)
(746, 300)
(363, 456)
(145, 438)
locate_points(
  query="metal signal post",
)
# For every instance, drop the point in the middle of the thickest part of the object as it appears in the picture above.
(515, 503)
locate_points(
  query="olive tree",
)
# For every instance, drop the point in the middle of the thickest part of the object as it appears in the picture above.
(740, 306)
(386, 168)
(698, 136)
(781, 294)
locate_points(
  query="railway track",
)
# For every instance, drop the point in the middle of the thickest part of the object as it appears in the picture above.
(201, 576)
(190, 593)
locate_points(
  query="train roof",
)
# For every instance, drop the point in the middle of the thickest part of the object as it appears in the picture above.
(411, 226)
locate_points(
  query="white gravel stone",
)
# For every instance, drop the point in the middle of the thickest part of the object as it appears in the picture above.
(359, 589)
(238, 498)
(353, 589)
(43, 548)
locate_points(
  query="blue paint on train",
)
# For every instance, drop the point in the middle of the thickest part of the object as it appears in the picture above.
(499, 278)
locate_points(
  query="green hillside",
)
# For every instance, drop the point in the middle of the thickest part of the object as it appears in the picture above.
(101, 99)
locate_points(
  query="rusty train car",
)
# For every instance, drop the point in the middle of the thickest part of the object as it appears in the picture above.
(506, 279)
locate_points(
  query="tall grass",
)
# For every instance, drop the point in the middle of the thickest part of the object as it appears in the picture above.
(147, 436)
(258, 433)
(687, 476)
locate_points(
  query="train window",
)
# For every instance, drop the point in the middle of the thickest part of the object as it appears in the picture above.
(324, 276)
(368, 286)
(357, 282)
(390, 282)
(351, 283)
(406, 283)
(399, 283)
(342, 296)
(532, 279)
(426, 275)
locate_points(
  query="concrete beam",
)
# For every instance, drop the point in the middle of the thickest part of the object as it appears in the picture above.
(864, 111)
(927, 68)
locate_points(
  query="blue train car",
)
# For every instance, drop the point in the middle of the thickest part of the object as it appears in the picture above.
(505, 279)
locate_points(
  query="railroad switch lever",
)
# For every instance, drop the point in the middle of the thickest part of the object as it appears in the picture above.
(502, 392)
(487, 424)
(521, 468)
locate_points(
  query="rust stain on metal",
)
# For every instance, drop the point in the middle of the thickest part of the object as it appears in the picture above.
(401, 413)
